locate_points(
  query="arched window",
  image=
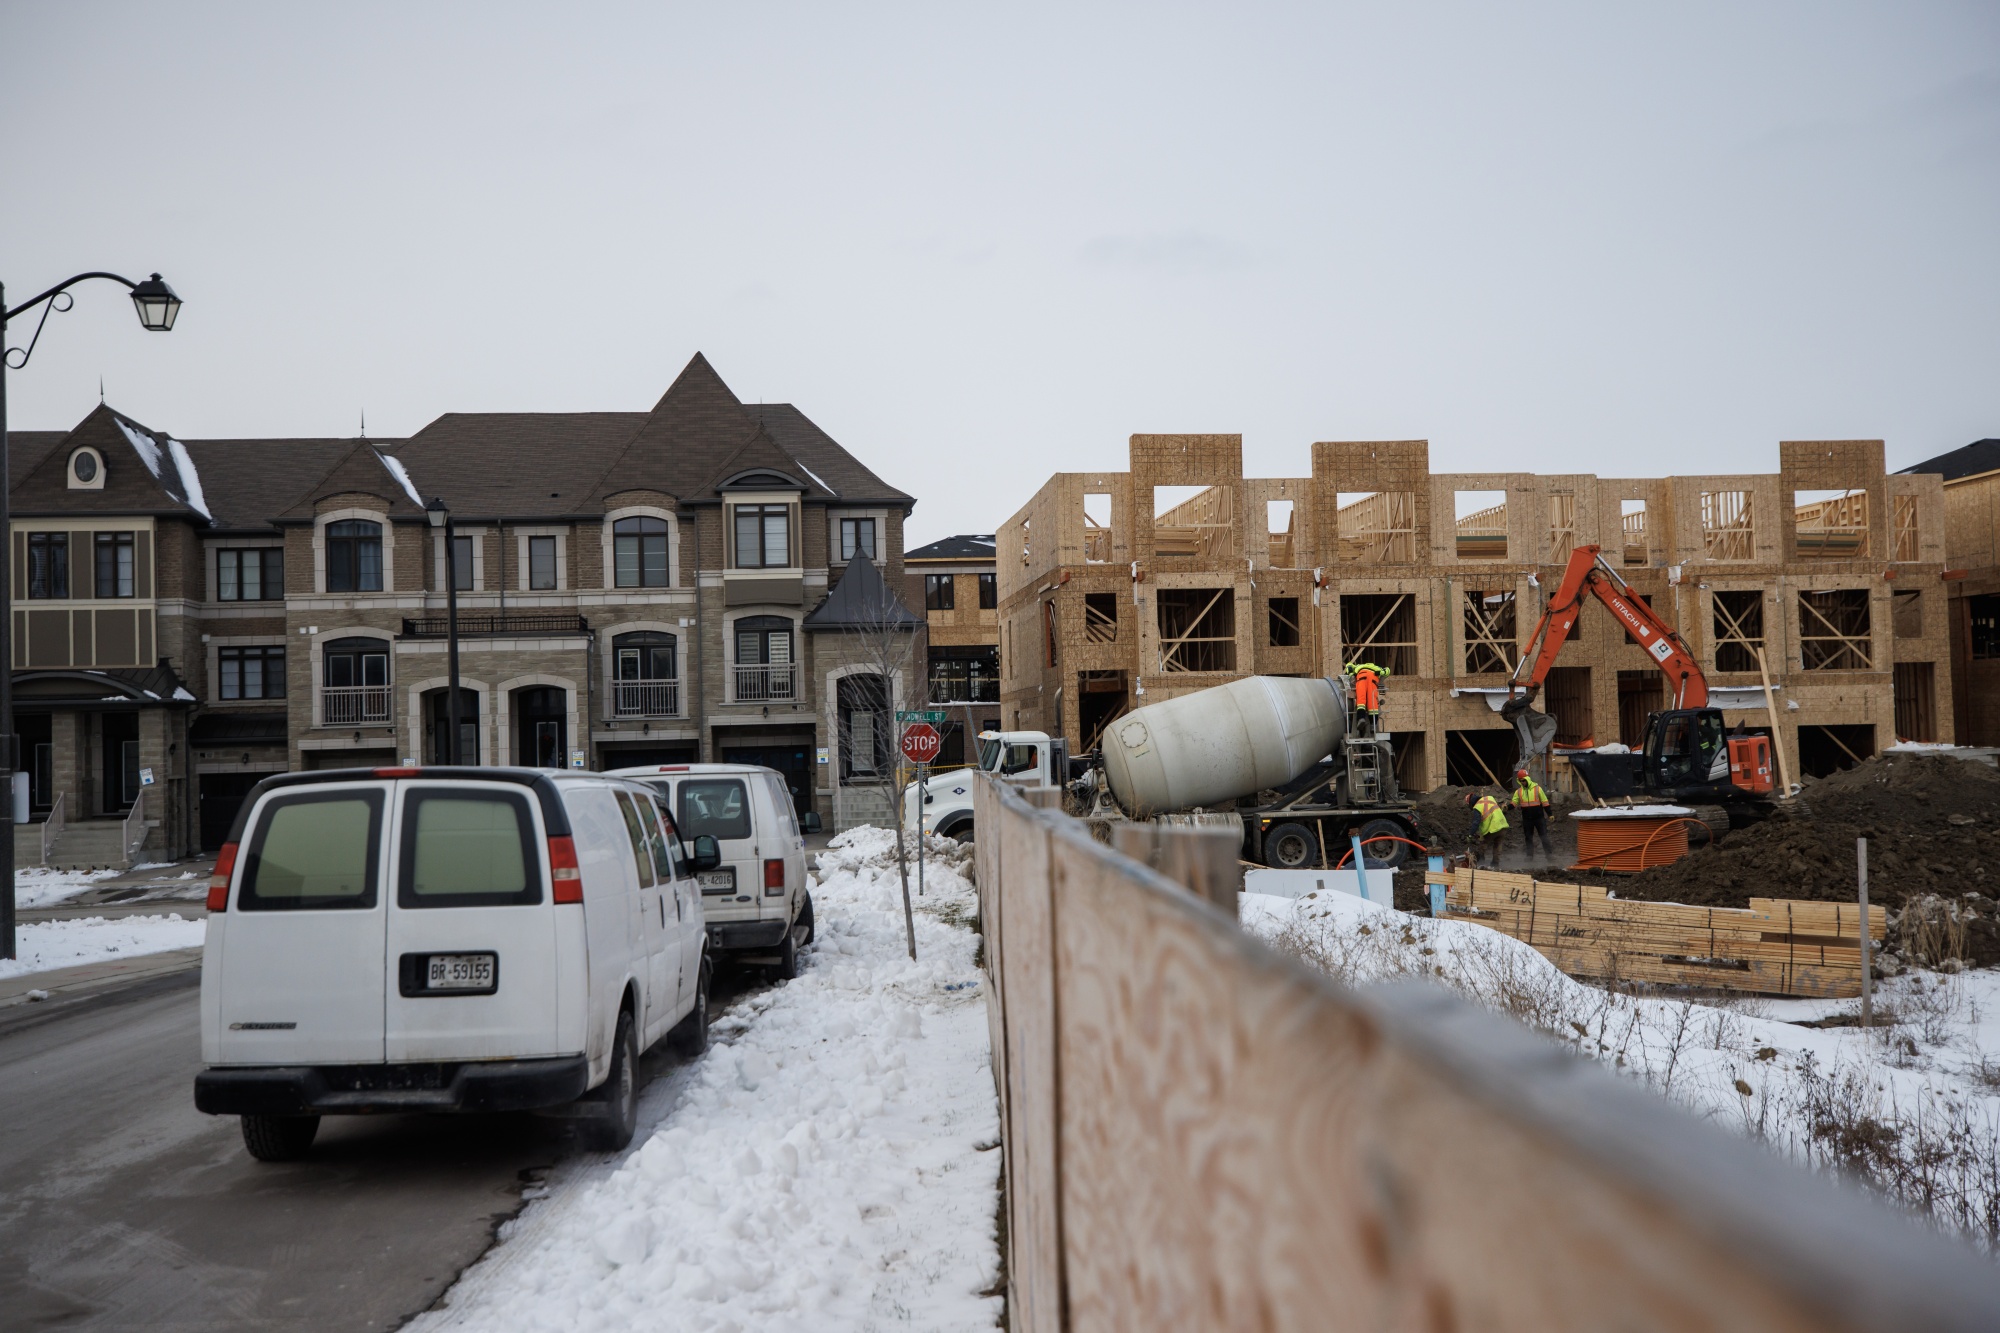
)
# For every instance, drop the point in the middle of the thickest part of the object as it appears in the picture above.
(354, 556)
(645, 670)
(354, 681)
(639, 552)
(764, 667)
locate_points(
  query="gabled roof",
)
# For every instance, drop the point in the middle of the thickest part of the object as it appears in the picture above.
(363, 470)
(682, 445)
(1975, 458)
(517, 464)
(862, 601)
(250, 482)
(145, 472)
(965, 546)
(26, 448)
(830, 466)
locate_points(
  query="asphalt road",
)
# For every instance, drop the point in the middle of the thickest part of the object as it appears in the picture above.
(122, 1207)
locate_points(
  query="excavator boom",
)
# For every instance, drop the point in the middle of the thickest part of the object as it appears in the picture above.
(1587, 572)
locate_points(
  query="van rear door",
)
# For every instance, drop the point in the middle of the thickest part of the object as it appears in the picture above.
(471, 972)
(301, 965)
(719, 806)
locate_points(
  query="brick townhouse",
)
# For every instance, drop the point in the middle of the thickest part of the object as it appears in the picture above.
(633, 587)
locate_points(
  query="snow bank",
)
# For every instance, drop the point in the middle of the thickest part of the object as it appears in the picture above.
(41, 887)
(831, 1163)
(44, 945)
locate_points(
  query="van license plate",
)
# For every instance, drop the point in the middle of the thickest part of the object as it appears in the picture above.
(461, 971)
(717, 881)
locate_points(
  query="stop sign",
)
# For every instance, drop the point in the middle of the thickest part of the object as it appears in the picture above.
(921, 742)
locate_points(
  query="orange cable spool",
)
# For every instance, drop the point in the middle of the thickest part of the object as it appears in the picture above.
(1630, 843)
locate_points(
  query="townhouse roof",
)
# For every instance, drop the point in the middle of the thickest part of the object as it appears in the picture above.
(26, 448)
(362, 470)
(837, 471)
(250, 482)
(965, 546)
(145, 472)
(1975, 458)
(862, 600)
(516, 464)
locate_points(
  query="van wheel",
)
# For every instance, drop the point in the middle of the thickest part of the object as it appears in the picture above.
(788, 954)
(690, 1035)
(613, 1130)
(806, 919)
(279, 1138)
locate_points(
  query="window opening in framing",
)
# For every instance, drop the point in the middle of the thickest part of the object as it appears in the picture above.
(1479, 758)
(1907, 618)
(1096, 528)
(1481, 524)
(1632, 523)
(1380, 628)
(1197, 629)
(1284, 622)
(989, 591)
(1100, 617)
(1983, 612)
(1906, 528)
(940, 592)
(1194, 521)
(1566, 698)
(1640, 695)
(1726, 533)
(1833, 630)
(1831, 525)
(1489, 631)
(1562, 525)
(1049, 632)
(1824, 751)
(1278, 524)
(1100, 699)
(1377, 527)
(1915, 686)
(1739, 630)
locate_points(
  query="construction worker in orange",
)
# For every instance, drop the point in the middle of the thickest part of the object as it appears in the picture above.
(1492, 812)
(1367, 686)
(1533, 803)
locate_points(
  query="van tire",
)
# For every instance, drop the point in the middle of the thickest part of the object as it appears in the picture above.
(788, 954)
(690, 1036)
(613, 1130)
(806, 919)
(279, 1138)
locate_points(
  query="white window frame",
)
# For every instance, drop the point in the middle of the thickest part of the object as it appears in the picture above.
(521, 536)
(388, 550)
(317, 683)
(611, 518)
(796, 537)
(478, 537)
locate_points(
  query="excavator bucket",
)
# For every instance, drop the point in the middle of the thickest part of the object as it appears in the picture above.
(1535, 729)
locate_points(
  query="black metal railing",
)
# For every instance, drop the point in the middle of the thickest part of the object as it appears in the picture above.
(436, 627)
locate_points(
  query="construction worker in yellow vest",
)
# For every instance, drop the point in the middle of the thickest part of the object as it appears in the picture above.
(1492, 814)
(1533, 804)
(1368, 680)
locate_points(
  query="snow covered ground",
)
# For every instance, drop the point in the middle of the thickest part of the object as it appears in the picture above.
(43, 945)
(1913, 1108)
(41, 887)
(831, 1163)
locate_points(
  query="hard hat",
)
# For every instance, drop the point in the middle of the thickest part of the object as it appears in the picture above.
(1520, 772)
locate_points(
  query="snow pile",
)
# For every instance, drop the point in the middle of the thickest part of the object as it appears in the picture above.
(43, 945)
(830, 1163)
(39, 887)
(190, 479)
(144, 445)
(1910, 1108)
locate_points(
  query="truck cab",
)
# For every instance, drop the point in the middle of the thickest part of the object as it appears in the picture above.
(943, 805)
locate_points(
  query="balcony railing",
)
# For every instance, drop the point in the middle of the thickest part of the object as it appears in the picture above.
(527, 625)
(646, 698)
(347, 705)
(758, 684)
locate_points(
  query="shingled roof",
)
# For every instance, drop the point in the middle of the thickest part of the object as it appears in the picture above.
(1975, 458)
(965, 546)
(832, 467)
(145, 472)
(364, 470)
(525, 465)
(861, 600)
(251, 482)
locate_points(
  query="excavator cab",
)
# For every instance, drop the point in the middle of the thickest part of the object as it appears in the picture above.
(1687, 756)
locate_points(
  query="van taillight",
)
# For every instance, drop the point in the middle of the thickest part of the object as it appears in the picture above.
(774, 877)
(399, 772)
(566, 880)
(218, 883)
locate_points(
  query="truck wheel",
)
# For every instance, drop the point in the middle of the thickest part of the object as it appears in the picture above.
(1291, 847)
(806, 919)
(690, 1035)
(612, 1131)
(279, 1138)
(788, 954)
(963, 833)
(1389, 855)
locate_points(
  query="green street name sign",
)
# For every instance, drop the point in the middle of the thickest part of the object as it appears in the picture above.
(934, 716)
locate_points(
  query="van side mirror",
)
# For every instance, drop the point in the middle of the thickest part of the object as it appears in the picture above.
(707, 856)
(809, 822)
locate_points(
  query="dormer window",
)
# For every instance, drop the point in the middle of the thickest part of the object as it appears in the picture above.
(857, 537)
(763, 536)
(354, 556)
(86, 470)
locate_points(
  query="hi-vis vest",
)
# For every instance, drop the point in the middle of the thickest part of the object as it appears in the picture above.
(1492, 815)
(1529, 792)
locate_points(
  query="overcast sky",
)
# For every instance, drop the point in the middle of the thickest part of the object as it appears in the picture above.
(979, 244)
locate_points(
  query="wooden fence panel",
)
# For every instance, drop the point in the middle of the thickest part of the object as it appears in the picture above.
(1203, 1135)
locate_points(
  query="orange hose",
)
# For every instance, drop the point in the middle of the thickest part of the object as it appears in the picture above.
(1423, 847)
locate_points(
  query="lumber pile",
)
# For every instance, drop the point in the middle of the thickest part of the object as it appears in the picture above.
(1776, 946)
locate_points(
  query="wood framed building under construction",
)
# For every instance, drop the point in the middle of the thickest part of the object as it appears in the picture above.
(1123, 588)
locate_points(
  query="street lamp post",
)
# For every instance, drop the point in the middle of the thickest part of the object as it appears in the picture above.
(440, 517)
(158, 307)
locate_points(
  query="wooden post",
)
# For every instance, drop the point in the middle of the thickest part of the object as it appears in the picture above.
(1867, 982)
(1201, 860)
(1771, 711)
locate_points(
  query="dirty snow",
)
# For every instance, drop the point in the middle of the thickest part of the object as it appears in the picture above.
(43, 945)
(830, 1163)
(39, 887)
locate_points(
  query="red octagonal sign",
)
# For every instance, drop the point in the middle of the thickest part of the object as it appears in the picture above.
(921, 742)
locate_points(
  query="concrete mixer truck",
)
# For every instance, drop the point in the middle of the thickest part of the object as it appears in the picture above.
(1291, 760)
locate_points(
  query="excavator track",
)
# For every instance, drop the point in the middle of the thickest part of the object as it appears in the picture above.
(1715, 818)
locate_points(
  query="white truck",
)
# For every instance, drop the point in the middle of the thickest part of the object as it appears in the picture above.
(1290, 758)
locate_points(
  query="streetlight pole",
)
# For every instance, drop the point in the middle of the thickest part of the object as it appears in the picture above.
(158, 307)
(440, 517)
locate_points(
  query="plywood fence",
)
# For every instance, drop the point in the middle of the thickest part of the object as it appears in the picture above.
(1776, 946)
(1200, 1134)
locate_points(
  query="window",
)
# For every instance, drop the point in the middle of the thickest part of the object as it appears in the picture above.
(1739, 630)
(646, 675)
(636, 833)
(356, 682)
(1831, 525)
(313, 852)
(542, 564)
(468, 849)
(857, 537)
(1906, 527)
(940, 592)
(254, 574)
(1100, 617)
(1284, 625)
(461, 562)
(250, 673)
(639, 552)
(1197, 629)
(1632, 523)
(354, 556)
(1049, 631)
(1380, 628)
(48, 564)
(989, 592)
(863, 715)
(1726, 533)
(1489, 632)
(1195, 521)
(1481, 529)
(1278, 516)
(114, 564)
(1562, 524)
(964, 675)
(717, 808)
(1377, 527)
(1833, 630)
(764, 668)
(1984, 613)
(763, 536)
(1096, 528)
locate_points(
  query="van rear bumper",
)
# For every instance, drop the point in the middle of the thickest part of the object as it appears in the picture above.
(746, 934)
(486, 1085)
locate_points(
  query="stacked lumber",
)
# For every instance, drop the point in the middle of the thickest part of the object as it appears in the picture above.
(1775, 946)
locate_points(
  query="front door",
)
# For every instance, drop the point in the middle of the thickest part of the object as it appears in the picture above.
(544, 727)
(118, 778)
(222, 795)
(793, 763)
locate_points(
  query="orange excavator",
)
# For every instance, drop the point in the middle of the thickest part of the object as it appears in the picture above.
(1688, 756)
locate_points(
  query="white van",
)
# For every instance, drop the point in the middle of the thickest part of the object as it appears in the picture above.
(447, 939)
(755, 900)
